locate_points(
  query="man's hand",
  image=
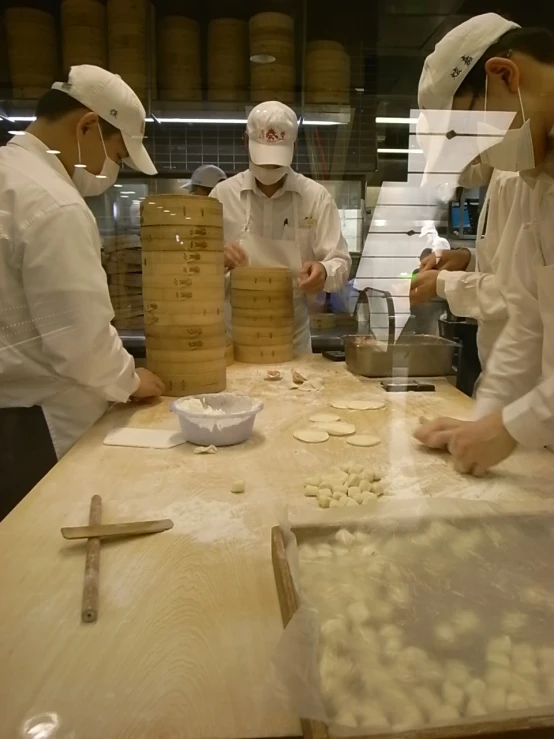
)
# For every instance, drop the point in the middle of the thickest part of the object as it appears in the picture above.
(423, 287)
(234, 255)
(150, 385)
(475, 445)
(453, 260)
(312, 277)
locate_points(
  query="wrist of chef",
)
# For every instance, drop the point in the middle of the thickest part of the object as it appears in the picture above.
(522, 422)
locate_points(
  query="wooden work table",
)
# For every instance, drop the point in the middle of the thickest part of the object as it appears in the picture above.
(189, 619)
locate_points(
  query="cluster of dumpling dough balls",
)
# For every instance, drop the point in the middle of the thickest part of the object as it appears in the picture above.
(347, 485)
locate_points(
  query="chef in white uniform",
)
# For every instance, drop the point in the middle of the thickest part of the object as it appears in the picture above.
(61, 360)
(490, 64)
(204, 179)
(274, 216)
(470, 279)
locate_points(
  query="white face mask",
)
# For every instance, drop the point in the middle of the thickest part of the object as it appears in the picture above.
(90, 184)
(514, 152)
(268, 176)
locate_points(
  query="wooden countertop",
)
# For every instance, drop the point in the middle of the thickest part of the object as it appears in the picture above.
(189, 619)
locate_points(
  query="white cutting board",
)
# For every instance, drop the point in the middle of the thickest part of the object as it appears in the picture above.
(150, 438)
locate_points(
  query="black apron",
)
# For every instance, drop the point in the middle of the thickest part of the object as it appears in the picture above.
(26, 454)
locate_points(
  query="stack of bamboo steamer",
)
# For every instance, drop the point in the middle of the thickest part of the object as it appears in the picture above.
(227, 59)
(179, 75)
(327, 73)
(32, 50)
(127, 42)
(272, 36)
(184, 292)
(262, 314)
(84, 33)
(122, 262)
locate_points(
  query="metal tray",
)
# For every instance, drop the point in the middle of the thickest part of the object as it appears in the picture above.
(418, 355)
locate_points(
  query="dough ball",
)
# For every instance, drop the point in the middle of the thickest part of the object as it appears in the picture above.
(363, 440)
(311, 491)
(238, 486)
(526, 668)
(391, 649)
(367, 498)
(358, 612)
(372, 718)
(345, 537)
(495, 699)
(313, 481)
(337, 495)
(354, 491)
(324, 501)
(466, 621)
(475, 708)
(515, 702)
(351, 502)
(311, 436)
(414, 656)
(324, 418)
(378, 488)
(513, 621)
(381, 611)
(499, 659)
(406, 717)
(334, 631)
(457, 672)
(400, 595)
(365, 486)
(523, 652)
(445, 714)
(501, 644)
(346, 719)
(391, 631)
(340, 405)
(365, 405)
(367, 474)
(345, 501)
(476, 688)
(326, 492)
(445, 635)
(498, 677)
(334, 503)
(453, 694)
(353, 479)
(339, 428)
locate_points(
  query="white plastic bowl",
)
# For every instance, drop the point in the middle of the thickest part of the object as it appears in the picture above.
(234, 427)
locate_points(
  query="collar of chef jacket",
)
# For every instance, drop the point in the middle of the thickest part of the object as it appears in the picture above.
(291, 184)
(36, 146)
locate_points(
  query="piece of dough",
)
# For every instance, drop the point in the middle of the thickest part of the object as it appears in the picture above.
(311, 436)
(324, 501)
(238, 486)
(205, 449)
(351, 502)
(363, 440)
(324, 418)
(311, 491)
(365, 405)
(339, 428)
(340, 405)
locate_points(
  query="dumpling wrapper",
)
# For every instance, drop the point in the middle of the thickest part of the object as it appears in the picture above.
(365, 405)
(363, 440)
(311, 436)
(338, 429)
(340, 405)
(324, 418)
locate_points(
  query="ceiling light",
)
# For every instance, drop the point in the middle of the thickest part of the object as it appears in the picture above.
(202, 120)
(124, 196)
(128, 192)
(397, 121)
(101, 177)
(52, 151)
(262, 58)
(16, 133)
(23, 119)
(151, 202)
(80, 166)
(400, 151)
(118, 185)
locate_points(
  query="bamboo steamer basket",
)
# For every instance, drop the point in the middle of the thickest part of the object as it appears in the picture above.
(84, 33)
(121, 11)
(272, 34)
(327, 73)
(179, 75)
(323, 45)
(263, 355)
(227, 59)
(262, 319)
(32, 50)
(184, 312)
(272, 82)
(127, 42)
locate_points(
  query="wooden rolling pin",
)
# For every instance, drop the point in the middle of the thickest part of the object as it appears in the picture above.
(112, 530)
(89, 607)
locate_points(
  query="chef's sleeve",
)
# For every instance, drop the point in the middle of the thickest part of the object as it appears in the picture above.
(330, 248)
(472, 295)
(67, 293)
(515, 365)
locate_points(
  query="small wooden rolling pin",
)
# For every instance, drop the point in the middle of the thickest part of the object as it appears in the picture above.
(113, 530)
(89, 608)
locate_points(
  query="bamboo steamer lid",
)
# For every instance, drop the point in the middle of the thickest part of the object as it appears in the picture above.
(323, 45)
(254, 299)
(190, 345)
(191, 260)
(183, 294)
(282, 49)
(263, 354)
(215, 330)
(169, 282)
(31, 29)
(186, 210)
(271, 23)
(262, 337)
(197, 361)
(177, 386)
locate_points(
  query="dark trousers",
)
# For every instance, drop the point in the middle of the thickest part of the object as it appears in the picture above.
(26, 454)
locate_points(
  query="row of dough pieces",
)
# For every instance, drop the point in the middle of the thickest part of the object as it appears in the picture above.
(347, 485)
(329, 424)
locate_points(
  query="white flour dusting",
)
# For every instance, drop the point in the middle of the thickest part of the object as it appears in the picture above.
(211, 521)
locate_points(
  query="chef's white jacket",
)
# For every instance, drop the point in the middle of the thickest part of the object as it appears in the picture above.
(58, 349)
(273, 218)
(477, 294)
(520, 375)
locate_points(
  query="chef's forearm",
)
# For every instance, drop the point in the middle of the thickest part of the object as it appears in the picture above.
(338, 269)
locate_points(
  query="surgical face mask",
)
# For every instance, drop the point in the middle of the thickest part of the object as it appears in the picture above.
(514, 153)
(268, 176)
(90, 184)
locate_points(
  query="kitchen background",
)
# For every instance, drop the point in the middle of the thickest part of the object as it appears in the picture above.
(349, 69)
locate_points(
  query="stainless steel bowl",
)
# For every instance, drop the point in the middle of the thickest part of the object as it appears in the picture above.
(416, 355)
